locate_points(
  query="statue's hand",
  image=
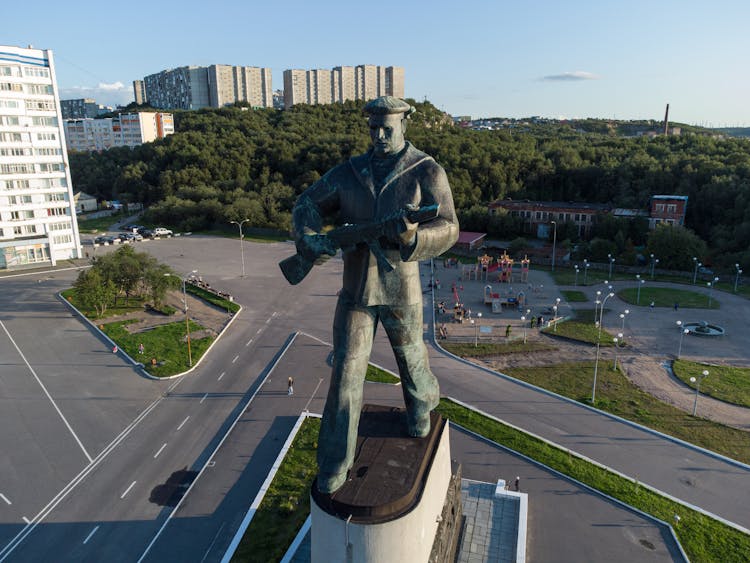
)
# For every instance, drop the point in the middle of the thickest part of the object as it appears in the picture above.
(315, 248)
(402, 231)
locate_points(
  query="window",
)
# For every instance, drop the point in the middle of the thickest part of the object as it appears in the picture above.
(40, 105)
(28, 214)
(16, 184)
(15, 215)
(39, 89)
(10, 87)
(46, 136)
(12, 104)
(672, 208)
(48, 152)
(56, 211)
(9, 120)
(44, 121)
(16, 168)
(659, 207)
(29, 229)
(54, 197)
(17, 230)
(13, 151)
(62, 239)
(50, 167)
(37, 72)
(7, 70)
(12, 137)
(63, 226)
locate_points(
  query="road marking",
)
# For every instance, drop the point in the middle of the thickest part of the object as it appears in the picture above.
(204, 398)
(2, 496)
(313, 394)
(183, 422)
(210, 547)
(249, 342)
(39, 381)
(237, 357)
(222, 375)
(127, 490)
(91, 533)
(160, 449)
(26, 520)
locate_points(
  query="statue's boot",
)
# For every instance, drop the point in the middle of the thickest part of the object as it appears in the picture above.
(329, 483)
(418, 424)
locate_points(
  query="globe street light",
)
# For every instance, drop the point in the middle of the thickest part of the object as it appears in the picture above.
(476, 328)
(523, 322)
(696, 265)
(617, 340)
(554, 243)
(622, 316)
(242, 253)
(576, 267)
(737, 276)
(639, 282)
(596, 304)
(711, 285)
(598, 344)
(585, 270)
(187, 318)
(683, 332)
(611, 262)
(698, 388)
(554, 309)
(654, 262)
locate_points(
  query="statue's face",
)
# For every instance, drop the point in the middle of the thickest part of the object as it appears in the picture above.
(387, 134)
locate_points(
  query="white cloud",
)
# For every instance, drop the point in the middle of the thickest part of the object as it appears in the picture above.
(571, 76)
(114, 94)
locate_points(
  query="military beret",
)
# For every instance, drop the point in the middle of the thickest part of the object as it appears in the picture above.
(385, 105)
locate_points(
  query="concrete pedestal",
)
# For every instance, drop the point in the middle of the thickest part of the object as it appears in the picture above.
(392, 504)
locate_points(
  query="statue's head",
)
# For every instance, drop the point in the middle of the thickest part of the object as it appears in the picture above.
(387, 121)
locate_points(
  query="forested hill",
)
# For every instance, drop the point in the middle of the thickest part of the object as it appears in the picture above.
(228, 164)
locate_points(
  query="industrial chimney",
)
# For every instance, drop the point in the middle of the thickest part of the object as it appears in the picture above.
(666, 121)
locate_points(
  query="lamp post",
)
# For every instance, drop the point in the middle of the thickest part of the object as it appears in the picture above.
(737, 276)
(622, 317)
(523, 322)
(554, 309)
(683, 332)
(576, 267)
(654, 262)
(611, 263)
(596, 304)
(554, 243)
(585, 270)
(639, 282)
(617, 339)
(187, 318)
(698, 388)
(711, 290)
(696, 265)
(242, 249)
(476, 328)
(598, 344)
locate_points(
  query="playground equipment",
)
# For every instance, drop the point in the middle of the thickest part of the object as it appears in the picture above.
(506, 299)
(525, 263)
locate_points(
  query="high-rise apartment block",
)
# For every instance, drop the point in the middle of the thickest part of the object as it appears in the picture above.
(82, 107)
(363, 82)
(196, 87)
(124, 130)
(37, 213)
(139, 92)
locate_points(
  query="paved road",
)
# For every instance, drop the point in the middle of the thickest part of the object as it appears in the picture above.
(121, 502)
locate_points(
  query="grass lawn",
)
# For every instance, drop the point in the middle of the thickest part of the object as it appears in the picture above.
(465, 349)
(615, 394)
(667, 297)
(166, 343)
(574, 296)
(287, 503)
(99, 224)
(580, 331)
(229, 306)
(727, 383)
(703, 538)
(377, 375)
(134, 304)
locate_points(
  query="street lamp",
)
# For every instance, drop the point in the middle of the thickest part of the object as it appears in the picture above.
(622, 316)
(654, 262)
(554, 243)
(576, 267)
(554, 309)
(695, 268)
(585, 270)
(598, 344)
(711, 285)
(698, 388)
(187, 318)
(476, 328)
(683, 332)
(737, 276)
(639, 282)
(596, 304)
(523, 322)
(611, 262)
(242, 253)
(617, 339)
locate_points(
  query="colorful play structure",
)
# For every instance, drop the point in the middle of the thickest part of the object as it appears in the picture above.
(487, 265)
(503, 299)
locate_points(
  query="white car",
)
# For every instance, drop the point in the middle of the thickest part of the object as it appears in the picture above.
(162, 232)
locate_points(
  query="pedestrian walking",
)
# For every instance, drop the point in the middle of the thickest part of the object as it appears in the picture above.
(540, 322)
(676, 305)
(652, 305)
(518, 484)
(507, 331)
(114, 350)
(533, 322)
(140, 348)
(290, 386)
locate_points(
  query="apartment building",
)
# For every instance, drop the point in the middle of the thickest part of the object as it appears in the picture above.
(124, 130)
(37, 214)
(82, 107)
(668, 209)
(139, 92)
(196, 87)
(363, 82)
(536, 215)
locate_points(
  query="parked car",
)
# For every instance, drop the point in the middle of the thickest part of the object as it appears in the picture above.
(162, 232)
(107, 239)
(146, 233)
(130, 237)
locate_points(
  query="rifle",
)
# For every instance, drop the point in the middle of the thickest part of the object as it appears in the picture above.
(295, 268)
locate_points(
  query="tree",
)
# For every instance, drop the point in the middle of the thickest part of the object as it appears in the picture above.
(675, 246)
(95, 292)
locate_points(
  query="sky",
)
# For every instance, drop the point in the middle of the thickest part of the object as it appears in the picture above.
(607, 59)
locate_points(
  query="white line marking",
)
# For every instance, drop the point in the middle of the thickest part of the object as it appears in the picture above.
(313, 394)
(249, 342)
(160, 449)
(46, 392)
(204, 398)
(90, 534)
(210, 547)
(222, 375)
(183, 422)
(2, 496)
(237, 357)
(127, 490)
(257, 332)
(26, 520)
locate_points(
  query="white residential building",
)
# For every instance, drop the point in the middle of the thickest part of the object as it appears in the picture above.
(125, 130)
(37, 214)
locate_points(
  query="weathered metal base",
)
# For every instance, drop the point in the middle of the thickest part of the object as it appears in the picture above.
(389, 470)
(450, 529)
